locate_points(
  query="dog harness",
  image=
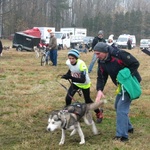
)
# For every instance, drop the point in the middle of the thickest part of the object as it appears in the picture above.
(67, 119)
(77, 109)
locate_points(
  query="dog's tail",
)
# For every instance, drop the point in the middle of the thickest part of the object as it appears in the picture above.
(95, 105)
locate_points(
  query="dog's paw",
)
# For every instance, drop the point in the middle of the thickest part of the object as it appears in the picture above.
(61, 143)
(95, 132)
(82, 142)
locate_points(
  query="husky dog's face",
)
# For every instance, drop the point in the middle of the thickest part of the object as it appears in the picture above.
(54, 122)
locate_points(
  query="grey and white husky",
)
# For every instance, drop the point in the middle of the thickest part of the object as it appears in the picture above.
(69, 117)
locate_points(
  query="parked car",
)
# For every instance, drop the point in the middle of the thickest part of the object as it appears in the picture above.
(122, 40)
(88, 41)
(144, 43)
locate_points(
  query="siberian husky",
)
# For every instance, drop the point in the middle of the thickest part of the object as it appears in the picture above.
(69, 117)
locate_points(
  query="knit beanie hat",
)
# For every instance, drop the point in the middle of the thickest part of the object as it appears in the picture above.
(110, 40)
(111, 37)
(74, 53)
(101, 47)
(101, 32)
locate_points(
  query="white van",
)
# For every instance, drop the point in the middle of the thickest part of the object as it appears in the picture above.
(63, 39)
(144, 43)
(122, 40)
(70, 37)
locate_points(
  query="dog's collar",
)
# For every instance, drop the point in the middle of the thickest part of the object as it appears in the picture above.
(64, 123)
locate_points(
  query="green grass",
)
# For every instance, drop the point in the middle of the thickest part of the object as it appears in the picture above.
(28, 92)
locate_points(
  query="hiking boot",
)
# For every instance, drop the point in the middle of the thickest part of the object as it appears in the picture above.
(121, 139)
(99, 116)
(131, 130)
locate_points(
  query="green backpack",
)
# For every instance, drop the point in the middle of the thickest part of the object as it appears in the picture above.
(129, 83)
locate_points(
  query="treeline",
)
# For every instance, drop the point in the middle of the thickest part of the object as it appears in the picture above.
(113, 16)
(134, 22)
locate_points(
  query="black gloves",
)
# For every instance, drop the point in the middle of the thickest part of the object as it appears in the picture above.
(66, 76)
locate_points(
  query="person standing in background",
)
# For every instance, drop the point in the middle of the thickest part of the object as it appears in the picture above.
(53, 48)
(99, 38)
(1, 48)
(129, 43)
(111, 40)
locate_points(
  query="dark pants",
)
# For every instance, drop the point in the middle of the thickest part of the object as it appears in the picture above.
(53, 56)
(129, 46)
(86, 93)
(0, 51)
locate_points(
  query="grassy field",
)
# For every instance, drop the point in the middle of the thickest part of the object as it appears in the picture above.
(28, 92)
